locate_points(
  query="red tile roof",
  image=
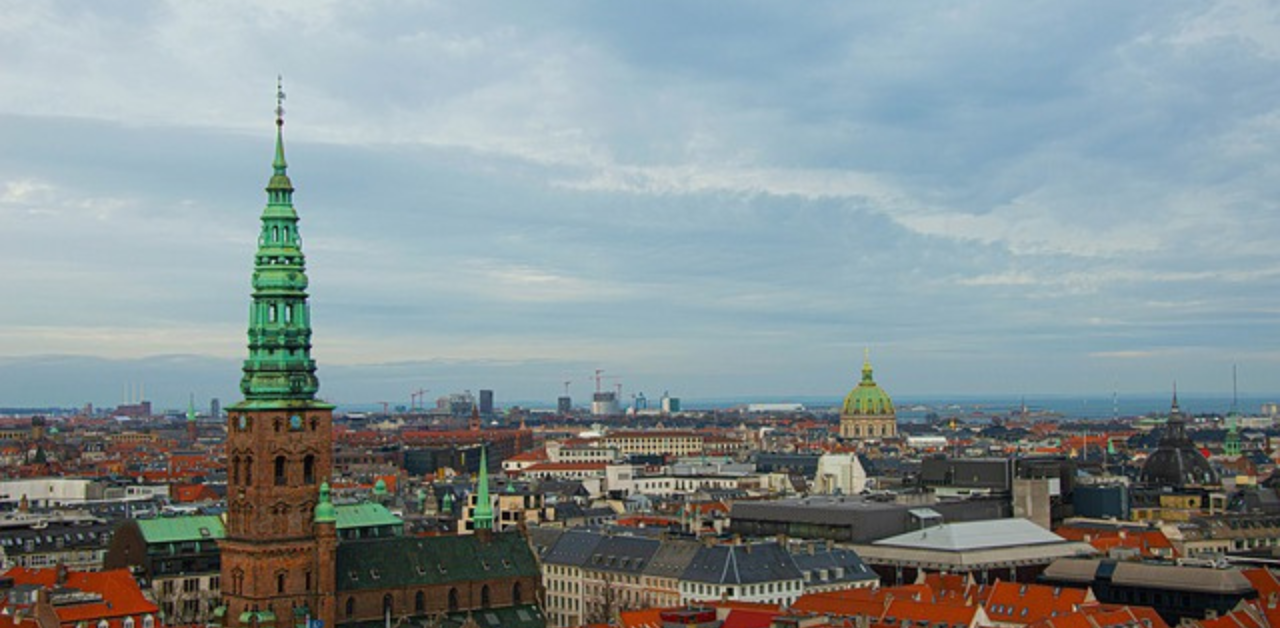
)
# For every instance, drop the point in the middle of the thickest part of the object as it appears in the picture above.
(120, 593)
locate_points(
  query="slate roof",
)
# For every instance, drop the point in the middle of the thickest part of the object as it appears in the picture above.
(622, 554)
(973, 535)
(573, 548)
(672, 558)
(394, 562)
(735, 564)
(847, 560)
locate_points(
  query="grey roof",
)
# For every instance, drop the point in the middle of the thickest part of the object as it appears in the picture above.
(629, 554)
(821, 558)
(742, 564)
(971, 535)
(672, 558)
(865, 520)
(542, 539)
(574, 548)
(1149, 575)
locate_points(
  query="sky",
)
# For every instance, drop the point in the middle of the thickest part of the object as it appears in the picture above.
(709, 198)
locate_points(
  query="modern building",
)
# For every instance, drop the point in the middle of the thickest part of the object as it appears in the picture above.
(1005, 549)
(868, 412)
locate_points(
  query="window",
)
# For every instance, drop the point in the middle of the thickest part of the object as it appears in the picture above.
(419, 602)
(128, 622)
(351, 607)
(387, 606)
(484, 596)
(280, 582)
(453, 599)
(248, 470)
(280, 475)
(309, 469)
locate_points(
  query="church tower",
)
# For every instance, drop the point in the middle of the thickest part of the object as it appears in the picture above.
(278, 439)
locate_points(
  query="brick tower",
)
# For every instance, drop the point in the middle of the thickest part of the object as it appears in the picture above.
(279, 450)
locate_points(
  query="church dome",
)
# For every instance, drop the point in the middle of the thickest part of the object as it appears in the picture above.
(867, 398)
(1176, 462)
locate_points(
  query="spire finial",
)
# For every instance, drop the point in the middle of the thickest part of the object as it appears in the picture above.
(279, 100)
(866, 364)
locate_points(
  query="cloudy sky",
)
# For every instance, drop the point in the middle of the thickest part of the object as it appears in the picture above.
(712, 198)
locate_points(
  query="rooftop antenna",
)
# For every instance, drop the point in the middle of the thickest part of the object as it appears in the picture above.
(1234, 391)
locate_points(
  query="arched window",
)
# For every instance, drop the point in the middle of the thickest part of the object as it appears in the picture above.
(271, 313)
(280, 479)
(235, 470)
(484, 596)
(148, 621)
(309, 469)
(288, 314)
(275, 234)
(248, 470)
(307, 574)
(453, 599)
(419, 602)
(280, 582)
(351, 607)
(517, 596)
(128, 622)
(387, 606)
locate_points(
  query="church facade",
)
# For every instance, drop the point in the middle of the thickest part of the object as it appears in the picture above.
(282, 562)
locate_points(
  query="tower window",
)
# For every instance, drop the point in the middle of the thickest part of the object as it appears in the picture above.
(453, 599)
(280, 475)
(280, 583)
(484, 596)
(248, 470)
(271, 313)
(309, 469)
(351, 607)
(419, 602)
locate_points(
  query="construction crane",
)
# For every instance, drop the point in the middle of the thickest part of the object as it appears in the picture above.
(386, 407)
(598, 378)
(420, 396)
(566, 387)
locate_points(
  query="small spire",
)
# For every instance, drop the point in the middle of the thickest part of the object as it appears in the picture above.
(279, 164)
(483, 517)
(866, 364)
(191, 408)
(1174, 409)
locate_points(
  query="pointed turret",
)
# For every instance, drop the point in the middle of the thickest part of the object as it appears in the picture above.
(484, 508)
(325, 512)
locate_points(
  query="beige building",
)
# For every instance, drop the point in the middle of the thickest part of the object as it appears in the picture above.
(655, 442)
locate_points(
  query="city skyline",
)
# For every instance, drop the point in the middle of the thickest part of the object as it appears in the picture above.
(995, 199)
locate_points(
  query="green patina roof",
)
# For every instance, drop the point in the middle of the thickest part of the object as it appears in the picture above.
(178, 529)
(364, 516)
(414, 561)
(867, 398)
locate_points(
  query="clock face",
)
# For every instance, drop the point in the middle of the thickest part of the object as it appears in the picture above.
(295, 422)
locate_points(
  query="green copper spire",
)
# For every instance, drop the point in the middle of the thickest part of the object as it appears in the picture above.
(279, 365)
(191, 409)
(484, 508)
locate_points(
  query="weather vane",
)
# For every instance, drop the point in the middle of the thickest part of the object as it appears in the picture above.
(279, 100)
